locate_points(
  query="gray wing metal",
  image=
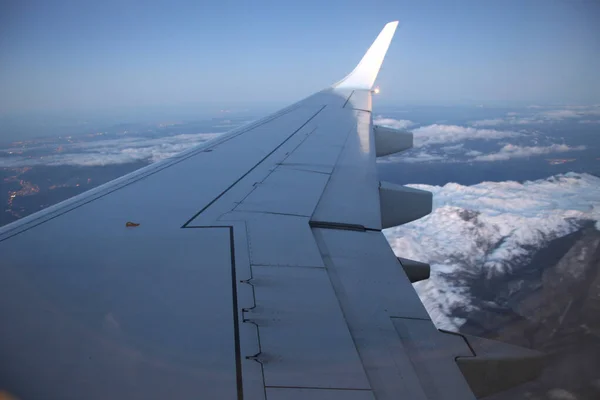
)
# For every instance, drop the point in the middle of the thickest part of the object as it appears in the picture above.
(250, 267)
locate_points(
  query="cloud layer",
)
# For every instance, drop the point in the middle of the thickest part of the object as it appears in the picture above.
(112, 151)
(510, 151)
(542, 116)
(490, 228)
(440, 134)
(434, 143)
(393, 123)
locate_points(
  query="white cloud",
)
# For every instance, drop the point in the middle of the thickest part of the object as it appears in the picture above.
(455, 148)
(510, 151)
(541, 117)
(393, 123)
(490, 228)
(560, 114)
(113, 151)
(440, 133)
(489, 122)
(416, 158)
(511, 119)
(437, 134)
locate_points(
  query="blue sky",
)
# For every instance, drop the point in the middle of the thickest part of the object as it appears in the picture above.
(85, 55)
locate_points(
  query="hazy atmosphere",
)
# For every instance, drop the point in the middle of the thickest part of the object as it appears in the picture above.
(502, 97)
(74, 55)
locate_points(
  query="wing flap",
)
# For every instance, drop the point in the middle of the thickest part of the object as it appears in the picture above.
(81, 308)
(285, 314)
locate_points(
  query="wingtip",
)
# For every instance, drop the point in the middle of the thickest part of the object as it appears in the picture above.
(365, 73)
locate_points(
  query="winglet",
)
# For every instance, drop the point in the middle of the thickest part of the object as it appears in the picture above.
(365, 73)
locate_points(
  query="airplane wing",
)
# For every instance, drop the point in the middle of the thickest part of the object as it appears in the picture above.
(252, 266)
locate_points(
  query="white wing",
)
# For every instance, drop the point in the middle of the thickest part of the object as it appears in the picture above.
(250, 267)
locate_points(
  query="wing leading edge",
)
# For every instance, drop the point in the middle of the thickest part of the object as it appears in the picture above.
(258, 270)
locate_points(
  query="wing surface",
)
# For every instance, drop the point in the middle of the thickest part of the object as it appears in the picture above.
(252, 266)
